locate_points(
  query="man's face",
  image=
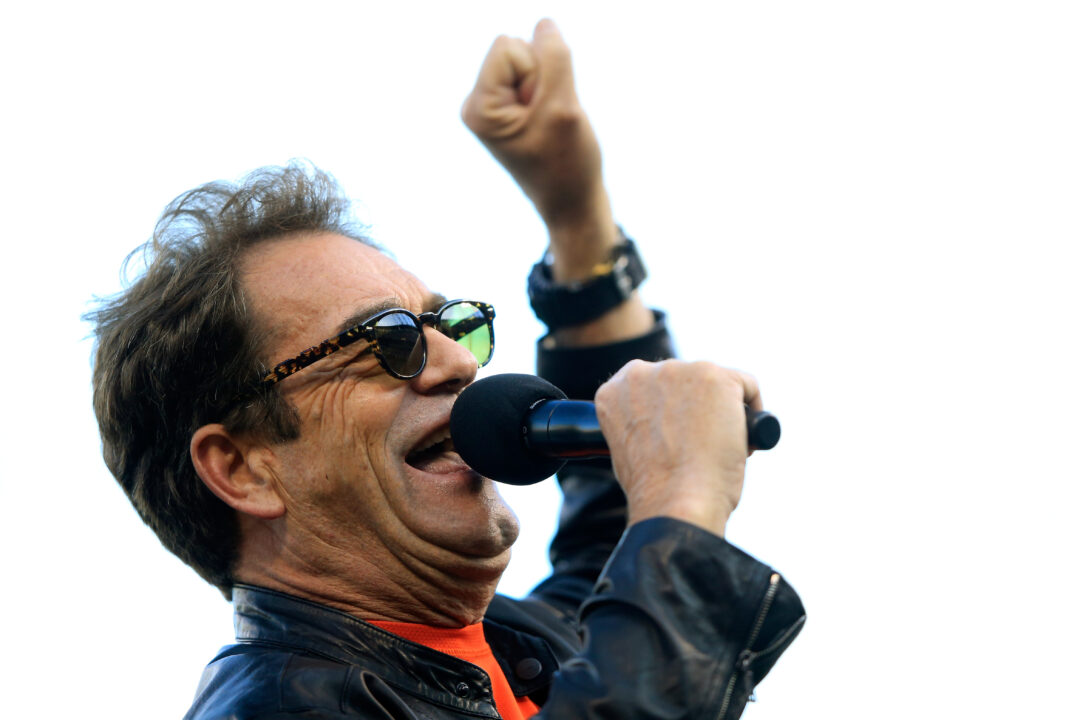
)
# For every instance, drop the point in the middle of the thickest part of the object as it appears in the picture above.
(359, 482)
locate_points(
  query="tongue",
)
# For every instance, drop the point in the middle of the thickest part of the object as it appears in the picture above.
(439, 463)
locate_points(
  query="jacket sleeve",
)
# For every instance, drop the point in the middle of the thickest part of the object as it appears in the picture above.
(675, 622)
(681, 624)
(593, 515)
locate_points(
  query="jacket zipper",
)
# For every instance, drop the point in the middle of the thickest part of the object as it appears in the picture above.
(742, 663)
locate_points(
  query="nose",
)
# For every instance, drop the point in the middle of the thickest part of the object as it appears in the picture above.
(450, 366)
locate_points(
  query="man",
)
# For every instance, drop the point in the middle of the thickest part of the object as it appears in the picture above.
(274, 395)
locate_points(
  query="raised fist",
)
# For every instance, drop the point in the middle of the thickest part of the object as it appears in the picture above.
(525, 110)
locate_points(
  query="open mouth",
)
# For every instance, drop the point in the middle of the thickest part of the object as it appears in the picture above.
(435, 454)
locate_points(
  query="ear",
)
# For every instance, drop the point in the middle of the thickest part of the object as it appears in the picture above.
(226, 466)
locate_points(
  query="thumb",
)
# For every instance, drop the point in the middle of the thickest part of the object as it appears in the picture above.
(552, 54)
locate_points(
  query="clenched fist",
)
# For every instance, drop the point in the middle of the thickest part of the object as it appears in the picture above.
(525, 110)
(677, 435)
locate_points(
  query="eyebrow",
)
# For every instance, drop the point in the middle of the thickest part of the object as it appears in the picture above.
(432, 302)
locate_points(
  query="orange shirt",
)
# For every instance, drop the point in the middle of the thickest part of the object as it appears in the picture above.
(468, 644)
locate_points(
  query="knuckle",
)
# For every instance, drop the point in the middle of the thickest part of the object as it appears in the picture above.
(708, 376)
(623, 370)
(710, 372)
(468, 112)
(604, 393)
(671, 366)
(564, 115)
(637, 371)
(704, 368)
(673, 372)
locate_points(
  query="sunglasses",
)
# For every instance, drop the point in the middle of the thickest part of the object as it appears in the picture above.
(396, 336)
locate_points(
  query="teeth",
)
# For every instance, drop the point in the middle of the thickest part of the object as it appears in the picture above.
(433, 440)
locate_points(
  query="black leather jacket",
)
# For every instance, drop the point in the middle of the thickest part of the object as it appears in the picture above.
(661, 620)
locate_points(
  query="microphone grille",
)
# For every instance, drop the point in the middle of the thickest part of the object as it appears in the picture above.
(486, 426)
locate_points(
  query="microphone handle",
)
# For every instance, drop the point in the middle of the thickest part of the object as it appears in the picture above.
(566, 429)
(569, 429)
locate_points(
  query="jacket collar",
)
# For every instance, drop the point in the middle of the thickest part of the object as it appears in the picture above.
(268, 617)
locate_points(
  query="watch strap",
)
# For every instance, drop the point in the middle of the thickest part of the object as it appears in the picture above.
(579, 302)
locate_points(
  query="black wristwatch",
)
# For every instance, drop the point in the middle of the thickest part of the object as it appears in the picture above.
(578, 302)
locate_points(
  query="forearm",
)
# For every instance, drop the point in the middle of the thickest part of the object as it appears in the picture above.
(524, 108)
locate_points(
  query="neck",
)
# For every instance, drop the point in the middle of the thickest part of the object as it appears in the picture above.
(432, 587)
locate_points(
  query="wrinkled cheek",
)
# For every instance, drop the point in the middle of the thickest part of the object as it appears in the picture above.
(339, 424)
(331, 417)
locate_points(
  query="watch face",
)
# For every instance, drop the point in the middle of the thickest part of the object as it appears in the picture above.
(623, 281)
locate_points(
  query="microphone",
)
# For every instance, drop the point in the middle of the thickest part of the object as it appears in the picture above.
(521, 429)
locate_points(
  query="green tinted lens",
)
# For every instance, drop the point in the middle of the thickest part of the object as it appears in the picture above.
(466, 324)
(400, 343)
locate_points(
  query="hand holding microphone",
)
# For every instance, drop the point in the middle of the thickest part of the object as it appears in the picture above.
(672, 423)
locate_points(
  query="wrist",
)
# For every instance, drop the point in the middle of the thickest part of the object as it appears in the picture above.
(703, 496)
(606, 286)
(713, 519)
(582, 239)
(577, 262)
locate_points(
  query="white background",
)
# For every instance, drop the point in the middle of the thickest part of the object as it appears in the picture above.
(872, 206)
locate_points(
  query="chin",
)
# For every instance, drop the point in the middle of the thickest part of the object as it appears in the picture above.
(487, 538)
(482, 533)
(448, 505)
